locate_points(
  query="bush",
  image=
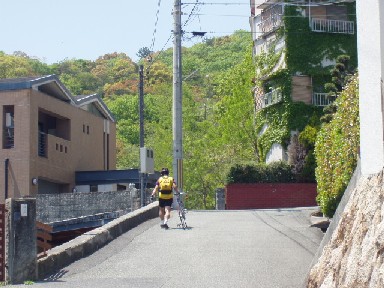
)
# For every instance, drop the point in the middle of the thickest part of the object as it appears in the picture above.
(276, 172)
(337, 148)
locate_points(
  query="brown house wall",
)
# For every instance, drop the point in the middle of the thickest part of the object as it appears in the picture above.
(19, 171)
(82, 152)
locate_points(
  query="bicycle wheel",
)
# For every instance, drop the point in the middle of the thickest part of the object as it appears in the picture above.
(182, 223)
(182, 219)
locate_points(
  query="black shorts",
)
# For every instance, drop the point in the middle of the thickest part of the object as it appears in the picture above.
(165, 202)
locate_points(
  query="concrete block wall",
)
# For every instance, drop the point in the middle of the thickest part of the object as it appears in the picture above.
(57, 207)
(270, 195)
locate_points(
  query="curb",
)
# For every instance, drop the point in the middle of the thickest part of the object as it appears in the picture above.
(86, 244)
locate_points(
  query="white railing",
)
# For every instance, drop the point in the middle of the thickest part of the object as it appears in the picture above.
(321, 99)
(333, 26)
(271, 19)
(269, 24)
(273, 97)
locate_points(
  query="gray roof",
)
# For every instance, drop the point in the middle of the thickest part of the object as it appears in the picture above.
(51, 85)
(96, 100)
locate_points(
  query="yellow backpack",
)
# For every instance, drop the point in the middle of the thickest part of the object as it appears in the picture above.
(165, 183)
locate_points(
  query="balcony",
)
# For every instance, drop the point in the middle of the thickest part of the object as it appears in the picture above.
(270, 19)
(269, 24)
(332, 26)
(322, 99)
(273, 97)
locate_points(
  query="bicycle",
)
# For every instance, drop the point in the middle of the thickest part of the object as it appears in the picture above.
(181, 210)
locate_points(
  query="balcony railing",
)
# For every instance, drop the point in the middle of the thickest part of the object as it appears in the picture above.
(322, 99)
(270, 19)
(42, 147)
(273, 97)
(269, 24)
(332, 26)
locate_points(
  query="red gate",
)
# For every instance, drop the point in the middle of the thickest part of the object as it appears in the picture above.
(2, 242)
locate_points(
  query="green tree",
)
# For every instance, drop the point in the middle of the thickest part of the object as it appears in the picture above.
(20, 65)
(341, 75)
(144, 52)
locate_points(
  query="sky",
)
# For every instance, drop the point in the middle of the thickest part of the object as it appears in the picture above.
(57, 30)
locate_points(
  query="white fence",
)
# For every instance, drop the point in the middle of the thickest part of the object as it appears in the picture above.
(332, 26)
(321, 99)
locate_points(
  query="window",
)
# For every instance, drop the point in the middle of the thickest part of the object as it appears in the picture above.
(8, 127)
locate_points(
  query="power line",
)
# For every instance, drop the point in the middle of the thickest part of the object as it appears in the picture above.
(223, 15)
(154, 30)
(159, 53)
(216, 3)
(191, 13)
(296, 3)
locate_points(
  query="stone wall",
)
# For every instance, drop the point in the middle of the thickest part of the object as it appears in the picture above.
(354, 255)
(58, 207)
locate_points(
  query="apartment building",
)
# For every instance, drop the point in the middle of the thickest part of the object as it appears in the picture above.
(299, 42)
(49, 134)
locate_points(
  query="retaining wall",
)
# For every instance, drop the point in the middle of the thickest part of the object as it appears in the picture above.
(270, 195)
(86, 244)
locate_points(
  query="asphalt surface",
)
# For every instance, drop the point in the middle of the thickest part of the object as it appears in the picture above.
(251, 248)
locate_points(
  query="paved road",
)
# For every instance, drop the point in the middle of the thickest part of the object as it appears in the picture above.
(252, 248)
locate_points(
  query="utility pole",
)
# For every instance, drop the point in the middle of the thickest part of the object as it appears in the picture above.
(177, 98)
(141, 115)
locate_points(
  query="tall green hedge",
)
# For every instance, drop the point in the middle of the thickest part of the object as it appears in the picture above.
(336, 150)
(276, 172)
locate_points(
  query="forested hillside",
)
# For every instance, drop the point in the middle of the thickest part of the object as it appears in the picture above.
(217, 105)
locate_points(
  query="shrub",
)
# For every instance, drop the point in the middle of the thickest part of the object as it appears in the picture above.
(276, 172)
(336, 149)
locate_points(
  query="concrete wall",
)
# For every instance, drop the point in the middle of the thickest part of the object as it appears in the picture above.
(370, 43)
(270, 195)
(57, 207)
(84, 245)
(21, 248)
(220, 199)
(276, 153)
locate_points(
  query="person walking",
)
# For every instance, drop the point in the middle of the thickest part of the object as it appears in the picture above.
(165, 184)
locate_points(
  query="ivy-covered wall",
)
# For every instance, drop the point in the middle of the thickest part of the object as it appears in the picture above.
(304, 52)
(281, 118)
